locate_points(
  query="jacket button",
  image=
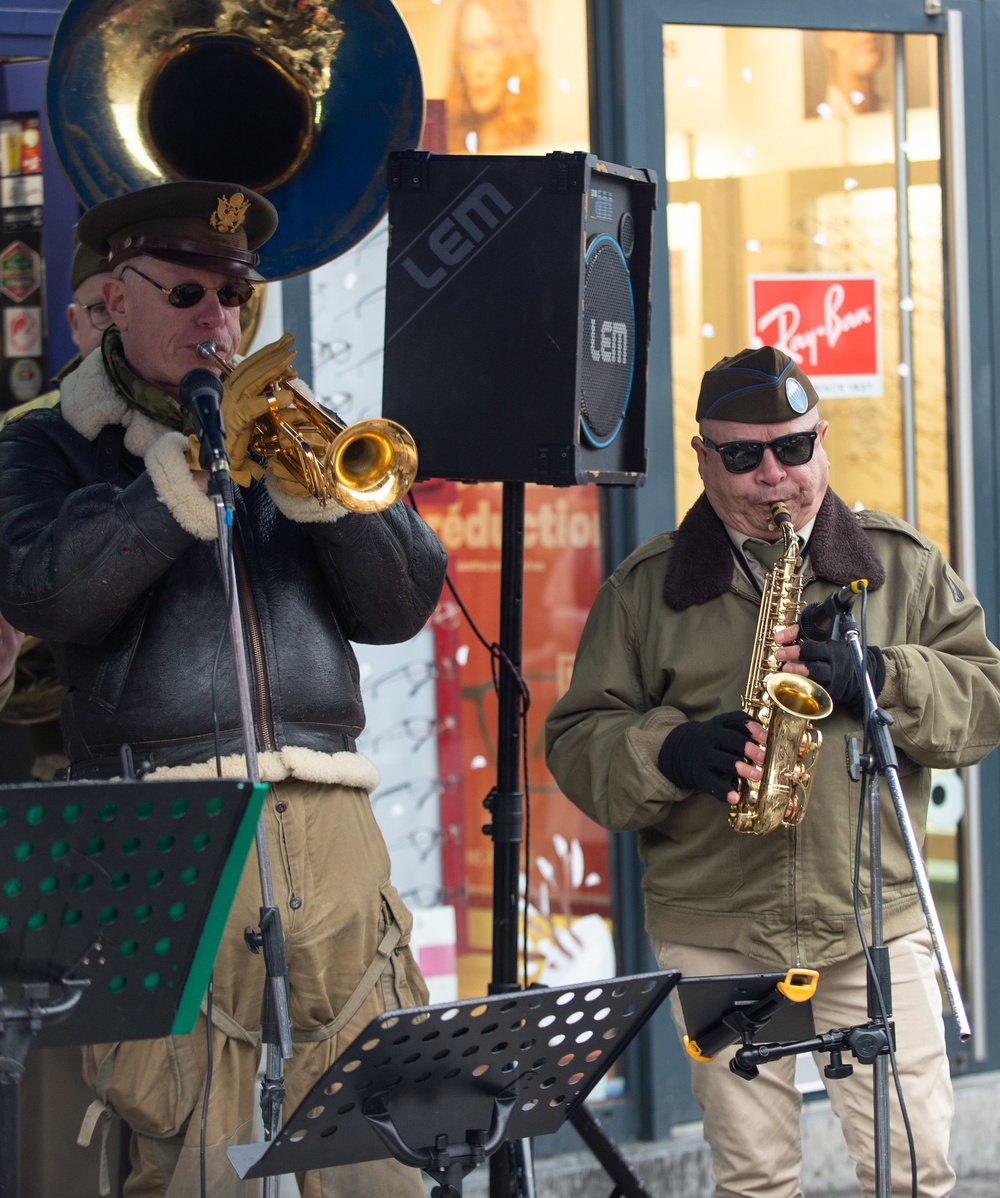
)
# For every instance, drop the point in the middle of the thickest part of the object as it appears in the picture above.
(280, 807)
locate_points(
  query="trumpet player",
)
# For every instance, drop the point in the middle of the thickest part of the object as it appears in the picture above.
(108, 552)
(652, 735)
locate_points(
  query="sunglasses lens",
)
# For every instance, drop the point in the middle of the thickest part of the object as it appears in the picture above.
(235, 294)
(186, 295)
(740, 456)
(794, 450)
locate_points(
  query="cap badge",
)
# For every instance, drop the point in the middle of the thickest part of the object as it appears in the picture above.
(795, 393)
(230, 213)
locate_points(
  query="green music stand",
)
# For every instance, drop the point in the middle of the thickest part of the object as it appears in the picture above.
(113, 900)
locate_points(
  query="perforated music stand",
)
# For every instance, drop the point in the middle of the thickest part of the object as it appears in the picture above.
(442, 1087)
(113, 900)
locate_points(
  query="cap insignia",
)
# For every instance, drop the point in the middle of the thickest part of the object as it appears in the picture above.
(795, 393)
(230, 213)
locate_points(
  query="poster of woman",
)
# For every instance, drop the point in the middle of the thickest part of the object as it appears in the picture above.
(849, 72)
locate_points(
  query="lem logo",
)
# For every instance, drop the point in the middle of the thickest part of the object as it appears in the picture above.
(454, 238)
(611, 345)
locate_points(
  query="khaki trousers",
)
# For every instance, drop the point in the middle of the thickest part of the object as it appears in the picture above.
(330, 875)
(753, 1127)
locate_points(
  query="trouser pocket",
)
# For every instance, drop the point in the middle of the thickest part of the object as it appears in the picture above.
(152, 1084)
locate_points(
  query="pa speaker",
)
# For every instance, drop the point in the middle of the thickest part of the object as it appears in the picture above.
(517, 316)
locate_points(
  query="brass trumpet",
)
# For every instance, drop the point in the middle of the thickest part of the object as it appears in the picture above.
(364, 467)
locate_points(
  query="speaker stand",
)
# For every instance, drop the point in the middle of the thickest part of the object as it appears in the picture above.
(511, 1172)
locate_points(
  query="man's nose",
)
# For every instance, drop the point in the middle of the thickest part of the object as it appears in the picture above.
(210, 312)
(770, 469)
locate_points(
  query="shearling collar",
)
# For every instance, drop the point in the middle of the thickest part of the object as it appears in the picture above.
(701, 565)
(89, 401)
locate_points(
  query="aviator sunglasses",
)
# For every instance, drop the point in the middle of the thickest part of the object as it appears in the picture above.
(233, 294)
(738, 457)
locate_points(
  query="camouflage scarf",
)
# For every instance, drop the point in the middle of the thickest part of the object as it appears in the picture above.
(136, 392)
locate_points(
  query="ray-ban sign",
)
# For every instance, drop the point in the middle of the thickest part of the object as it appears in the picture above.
(829, 324)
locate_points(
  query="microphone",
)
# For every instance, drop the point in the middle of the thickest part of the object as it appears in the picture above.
(817, 621)
(200, 394)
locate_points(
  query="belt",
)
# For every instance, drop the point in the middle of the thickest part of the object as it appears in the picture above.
(131, 764)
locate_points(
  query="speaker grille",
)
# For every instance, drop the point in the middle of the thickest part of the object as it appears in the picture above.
(608, 358)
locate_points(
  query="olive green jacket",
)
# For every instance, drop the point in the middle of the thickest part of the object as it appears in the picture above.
(669, 639)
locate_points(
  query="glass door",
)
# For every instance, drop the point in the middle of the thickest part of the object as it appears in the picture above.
(804, 176)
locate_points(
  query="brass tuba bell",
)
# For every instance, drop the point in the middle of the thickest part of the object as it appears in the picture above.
(303, 102)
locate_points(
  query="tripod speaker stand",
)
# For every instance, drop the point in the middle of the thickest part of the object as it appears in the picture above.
(113, 898)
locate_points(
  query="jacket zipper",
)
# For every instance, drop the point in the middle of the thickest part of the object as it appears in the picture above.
(266, 739)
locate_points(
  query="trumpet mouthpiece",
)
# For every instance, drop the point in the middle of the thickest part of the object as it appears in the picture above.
(206, 349)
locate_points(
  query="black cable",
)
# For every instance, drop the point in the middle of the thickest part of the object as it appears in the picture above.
(856, 887)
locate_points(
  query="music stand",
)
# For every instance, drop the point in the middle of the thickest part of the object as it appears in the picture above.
(442, 1087)
(113, 900)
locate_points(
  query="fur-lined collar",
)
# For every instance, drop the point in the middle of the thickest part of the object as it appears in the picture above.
(701, 565)
(89, 402)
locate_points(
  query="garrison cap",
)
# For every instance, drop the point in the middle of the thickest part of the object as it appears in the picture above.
(85, 263)
(755, 386)
(212, 226)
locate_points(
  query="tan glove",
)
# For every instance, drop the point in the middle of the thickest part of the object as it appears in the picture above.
(244, 399)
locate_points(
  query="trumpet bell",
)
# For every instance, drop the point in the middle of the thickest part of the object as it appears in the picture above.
(302, 102)
(372, 464)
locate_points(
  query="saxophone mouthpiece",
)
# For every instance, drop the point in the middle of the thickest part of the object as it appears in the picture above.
(779, 515)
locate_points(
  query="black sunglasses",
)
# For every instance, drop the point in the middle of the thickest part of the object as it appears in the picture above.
(233, 294)
(738, 457)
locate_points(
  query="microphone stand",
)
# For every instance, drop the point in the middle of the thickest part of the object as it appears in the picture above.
(880, 763)
(276, 1028)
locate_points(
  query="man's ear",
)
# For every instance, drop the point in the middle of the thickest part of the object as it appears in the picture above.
(73, 320)
(702, 454)
(114, 296)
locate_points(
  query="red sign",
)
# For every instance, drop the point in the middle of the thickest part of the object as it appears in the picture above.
(827, 324)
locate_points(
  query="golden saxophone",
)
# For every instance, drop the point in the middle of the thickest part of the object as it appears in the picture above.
(786, 704)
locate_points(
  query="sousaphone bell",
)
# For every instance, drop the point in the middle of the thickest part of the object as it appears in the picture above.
(301, 101)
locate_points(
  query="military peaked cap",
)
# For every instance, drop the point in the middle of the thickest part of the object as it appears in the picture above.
(212, 226)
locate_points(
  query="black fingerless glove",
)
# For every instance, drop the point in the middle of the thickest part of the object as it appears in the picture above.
(831, 664)
(702, 754)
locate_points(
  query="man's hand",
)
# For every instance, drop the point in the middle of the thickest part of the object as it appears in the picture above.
(245, 399)
(831, 665)
(10, 645)
(714, 754)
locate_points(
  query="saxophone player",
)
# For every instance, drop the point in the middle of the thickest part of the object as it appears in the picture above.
(651, 736)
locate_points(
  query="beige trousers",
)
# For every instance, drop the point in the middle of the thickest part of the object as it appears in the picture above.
(753, 1127)
(330, 875)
